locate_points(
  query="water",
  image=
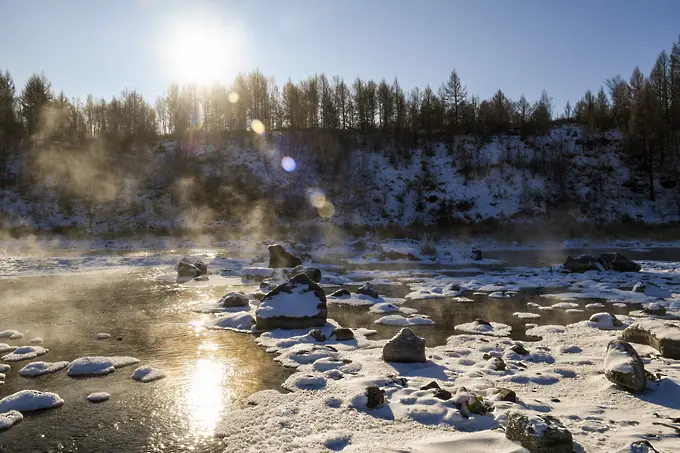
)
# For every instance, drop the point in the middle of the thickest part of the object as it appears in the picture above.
(209, 372)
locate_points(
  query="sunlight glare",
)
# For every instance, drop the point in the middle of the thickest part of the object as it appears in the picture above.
(288, 164)
(257, 126)
(207, 394)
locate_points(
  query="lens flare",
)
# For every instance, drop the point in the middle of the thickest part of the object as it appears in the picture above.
(317, 198)
(288, 164)
(233, 97)
(327, 210)
(257, 126)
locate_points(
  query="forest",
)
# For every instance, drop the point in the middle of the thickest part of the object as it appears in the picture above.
(381, 116)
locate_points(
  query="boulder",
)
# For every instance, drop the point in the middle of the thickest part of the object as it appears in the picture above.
(368, 290)
(504, 394)
(664, 336)
(443, 394)
(279, 257)
(654, 309)
(341, 293)
(406, 346)
(518, 348)
(639, 446)
(233, 299)
(623, 366)
(430, 385)
(312, 272)
(317, 335)
(620, 263)
(605, 321)
(394, 255)
(297, 304)
(188, 269)
(342, 334)
(651, 290)
(585, 263)
(376, 397)
(201, 278)
(539, 434)
(497, 363)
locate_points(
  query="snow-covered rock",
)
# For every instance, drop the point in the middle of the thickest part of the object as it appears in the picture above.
(406, 346)
(651, 290)
(233, 299)
(296, 304)
(39, 368)
(147, 374)
(482, 327)
(623, 366)
(98, 397)
(96, 365)
(662, 335)
(30, 400)
(9, 419)
(280, 258)
(25, 353)
(539, 434)
(398, 320)
(605, 321)
(241, 321)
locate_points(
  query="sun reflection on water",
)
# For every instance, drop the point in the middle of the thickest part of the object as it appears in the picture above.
(207, 395)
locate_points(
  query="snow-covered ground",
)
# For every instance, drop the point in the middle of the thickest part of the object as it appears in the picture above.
(325, 407)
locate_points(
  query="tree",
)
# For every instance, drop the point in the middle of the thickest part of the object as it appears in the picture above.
(35, 97)
(455, 97)
(567, 111)
(542, 113)
(602, 112)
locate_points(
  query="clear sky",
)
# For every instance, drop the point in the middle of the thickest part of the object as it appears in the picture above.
(521, 46)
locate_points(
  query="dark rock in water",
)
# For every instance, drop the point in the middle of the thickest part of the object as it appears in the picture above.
(431, 385)
(312, 272)
(342, 334)
(368, 290)
(443, 394)
(539, 434)
(639, 446)
(341, 293)
(555, 400)
(664, 336)
(201, 278)
(476, 254)
(279, 257)
(620, 263)
(507, 395)
(188, 269)
(518, 348)
(585, 263)
(393, 255)
(297, 304)
(376, 397)
(654, 309)
(234, 299)
(317, 335)
(406, 346)
(482, 321)
(623, 366)
(453, 287)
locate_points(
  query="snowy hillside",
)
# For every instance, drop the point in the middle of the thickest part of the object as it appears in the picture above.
(286, 180)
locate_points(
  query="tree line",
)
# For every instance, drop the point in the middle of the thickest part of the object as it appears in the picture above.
(645, 108)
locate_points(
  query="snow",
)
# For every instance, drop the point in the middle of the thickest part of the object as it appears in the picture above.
(30, 400)
(103, 336)
(25, 353)
(39, 368)
(4, 347)
(37, 340)
(148, 374)
(617, 359)
(241, 322)
(11, 334)
(398, 320)
(495, 329)
(298, 303)
(4, 368)
(95, 365)
(10, 418)
(522, 315)
(98, 397)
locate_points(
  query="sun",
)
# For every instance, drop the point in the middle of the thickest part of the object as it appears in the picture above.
(201, 52)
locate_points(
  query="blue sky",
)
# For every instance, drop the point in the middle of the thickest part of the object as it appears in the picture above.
(521, 46)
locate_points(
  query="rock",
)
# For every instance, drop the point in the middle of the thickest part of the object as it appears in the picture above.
(585, 263)
(620, 263)
(453, 287)
(376, 397)
(664, 336)
(234, 299)
(623, 366)
(312, 272)
(482, 321)
(497, 363)
(297, 304)
(518, 348)
(654, 309)
(651, 290)
(476, 254)
(188, 269)
(394, 255)
(506, 395)
(605, 321)
(539, 434)
(406, 346)
(431, 385)
(341, 293)
(201, 278)
(639, 446)
(343, 334)
(279, 257)
(368, 290)
(443, 394)
(317, 335)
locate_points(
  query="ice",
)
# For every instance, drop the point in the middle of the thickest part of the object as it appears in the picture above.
(25, 353)
(103, 336)
(241, 322)
(96, 365)
(10, 418)
(522, 315)
(503, 294)
(98, 397)
(30, 400)
(565, 305)
(4, 347)
(147, 374)
(39, 368)
(398, 320)
(11, 334)
(496, 329)
(36, 341)
(363, 300)
(388, 307)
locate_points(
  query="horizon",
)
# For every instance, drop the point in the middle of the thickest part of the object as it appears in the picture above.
(146, 45)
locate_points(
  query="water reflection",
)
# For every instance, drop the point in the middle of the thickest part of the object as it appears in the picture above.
(207, 394)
